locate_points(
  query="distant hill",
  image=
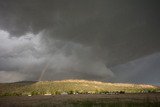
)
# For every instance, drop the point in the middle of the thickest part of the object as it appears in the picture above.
(71, 87)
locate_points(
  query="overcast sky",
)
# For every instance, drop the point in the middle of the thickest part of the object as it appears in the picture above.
(106, 40)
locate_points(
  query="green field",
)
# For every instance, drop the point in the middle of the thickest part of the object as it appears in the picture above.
(72, 87)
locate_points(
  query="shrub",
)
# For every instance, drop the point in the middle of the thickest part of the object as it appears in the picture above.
(70, 92)
(121, 92)
(34, 93)
(6, 94)
(57, 92)
(16, 94)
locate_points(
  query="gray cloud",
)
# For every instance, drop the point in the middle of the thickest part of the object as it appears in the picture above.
(81, 36)
(121, 30)
(11, 76)
(143, 70)
(32, 58)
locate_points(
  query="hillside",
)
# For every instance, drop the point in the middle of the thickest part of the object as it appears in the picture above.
(71, 87)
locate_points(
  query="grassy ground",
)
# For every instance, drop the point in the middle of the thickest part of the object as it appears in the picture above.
(84, 100)
(71, 87)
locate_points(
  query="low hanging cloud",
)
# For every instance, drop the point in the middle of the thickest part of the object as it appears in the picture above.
(11, 76)
(32, 58)
(143, 70)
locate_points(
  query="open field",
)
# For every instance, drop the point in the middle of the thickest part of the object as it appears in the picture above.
(72, 87)
(84, 100)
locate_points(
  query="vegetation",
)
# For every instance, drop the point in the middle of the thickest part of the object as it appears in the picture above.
(84, 100)
(72, 87)
(115, 104)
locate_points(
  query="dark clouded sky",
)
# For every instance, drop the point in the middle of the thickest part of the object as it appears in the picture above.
(106, 40)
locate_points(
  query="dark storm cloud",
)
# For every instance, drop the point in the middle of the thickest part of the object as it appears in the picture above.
(89, 32)
(143, 70)
(122, 30)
